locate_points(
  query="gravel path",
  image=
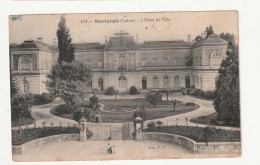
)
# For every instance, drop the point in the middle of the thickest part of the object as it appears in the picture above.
(96, 150)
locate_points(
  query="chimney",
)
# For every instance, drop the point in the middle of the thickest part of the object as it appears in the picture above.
(105, 39)
(136, 38)
(189, 38)
(39, 39)
(54, 41)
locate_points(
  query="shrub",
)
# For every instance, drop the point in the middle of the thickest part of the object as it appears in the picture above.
(204, 94)
(94, 102)
(151, 126)
(190, 104)
(110, 91)
(198, 133)
(35, 133)
(159, 123)
(82, 111)
(44, 98)
(133, 91)
(153, 97)
(20, 106)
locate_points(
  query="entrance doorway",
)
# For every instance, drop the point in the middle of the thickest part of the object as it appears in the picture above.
(144, 83)
(187, 82)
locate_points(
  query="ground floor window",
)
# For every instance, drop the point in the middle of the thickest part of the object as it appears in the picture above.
(26, 86)
(176, 81)
(155, 82)
(187, 82)
(122, 82)
(100, 83)
(166, 80)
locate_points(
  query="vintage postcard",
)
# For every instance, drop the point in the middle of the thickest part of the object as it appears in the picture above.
(122, 86)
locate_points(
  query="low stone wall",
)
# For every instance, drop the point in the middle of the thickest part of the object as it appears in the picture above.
(219, 148)
(194, 147)
(171, 138)
(45, 140)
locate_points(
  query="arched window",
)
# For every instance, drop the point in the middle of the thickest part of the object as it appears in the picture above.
(122, 82)
(166, 80)
(155, 82)
(176, 81)
(197, 79)
(187, 82)
(144, 83)
(26, 86)
(100, 82)
(25, 62)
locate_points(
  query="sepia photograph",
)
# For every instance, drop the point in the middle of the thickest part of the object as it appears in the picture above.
(124, 86)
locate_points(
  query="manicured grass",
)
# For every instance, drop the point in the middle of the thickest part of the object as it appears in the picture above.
(124, 115)
(198, 133)
(24, 121)
(210, 120)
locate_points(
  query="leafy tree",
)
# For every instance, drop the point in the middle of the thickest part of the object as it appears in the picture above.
(209, 30)
(227, 102)
(167, 92)
(20, 107)
(142, 114)
(66, 50)
(198, 38)
(153, 97)
(14, 86)
(230, 38)
(69, 81)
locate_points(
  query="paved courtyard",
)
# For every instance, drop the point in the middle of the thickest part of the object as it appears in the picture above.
(96, 150)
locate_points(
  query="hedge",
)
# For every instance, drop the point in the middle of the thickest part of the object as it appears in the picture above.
(198, 133)
(35, 133)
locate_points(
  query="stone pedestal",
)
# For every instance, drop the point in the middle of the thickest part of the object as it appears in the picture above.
(138, 128)
(83, 130)
(139, 134)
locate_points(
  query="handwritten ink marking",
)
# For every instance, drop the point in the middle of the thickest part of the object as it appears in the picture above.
(16, 18)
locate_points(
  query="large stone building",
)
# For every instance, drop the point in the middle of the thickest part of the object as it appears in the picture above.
(122, 62)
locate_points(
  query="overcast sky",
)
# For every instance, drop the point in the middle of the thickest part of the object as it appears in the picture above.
(181, 24)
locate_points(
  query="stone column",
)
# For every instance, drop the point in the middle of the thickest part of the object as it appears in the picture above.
(83, 130)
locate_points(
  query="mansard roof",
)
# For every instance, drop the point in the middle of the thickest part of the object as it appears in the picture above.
(166, 44)
(81, 46)
(121, 43)
(212, 39)
(33, 45)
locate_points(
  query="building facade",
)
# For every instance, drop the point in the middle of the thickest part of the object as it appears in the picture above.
(122, 62)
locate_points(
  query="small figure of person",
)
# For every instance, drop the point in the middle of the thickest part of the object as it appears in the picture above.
(110, 147)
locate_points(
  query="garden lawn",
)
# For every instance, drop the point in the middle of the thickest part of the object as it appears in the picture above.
(125, 115)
